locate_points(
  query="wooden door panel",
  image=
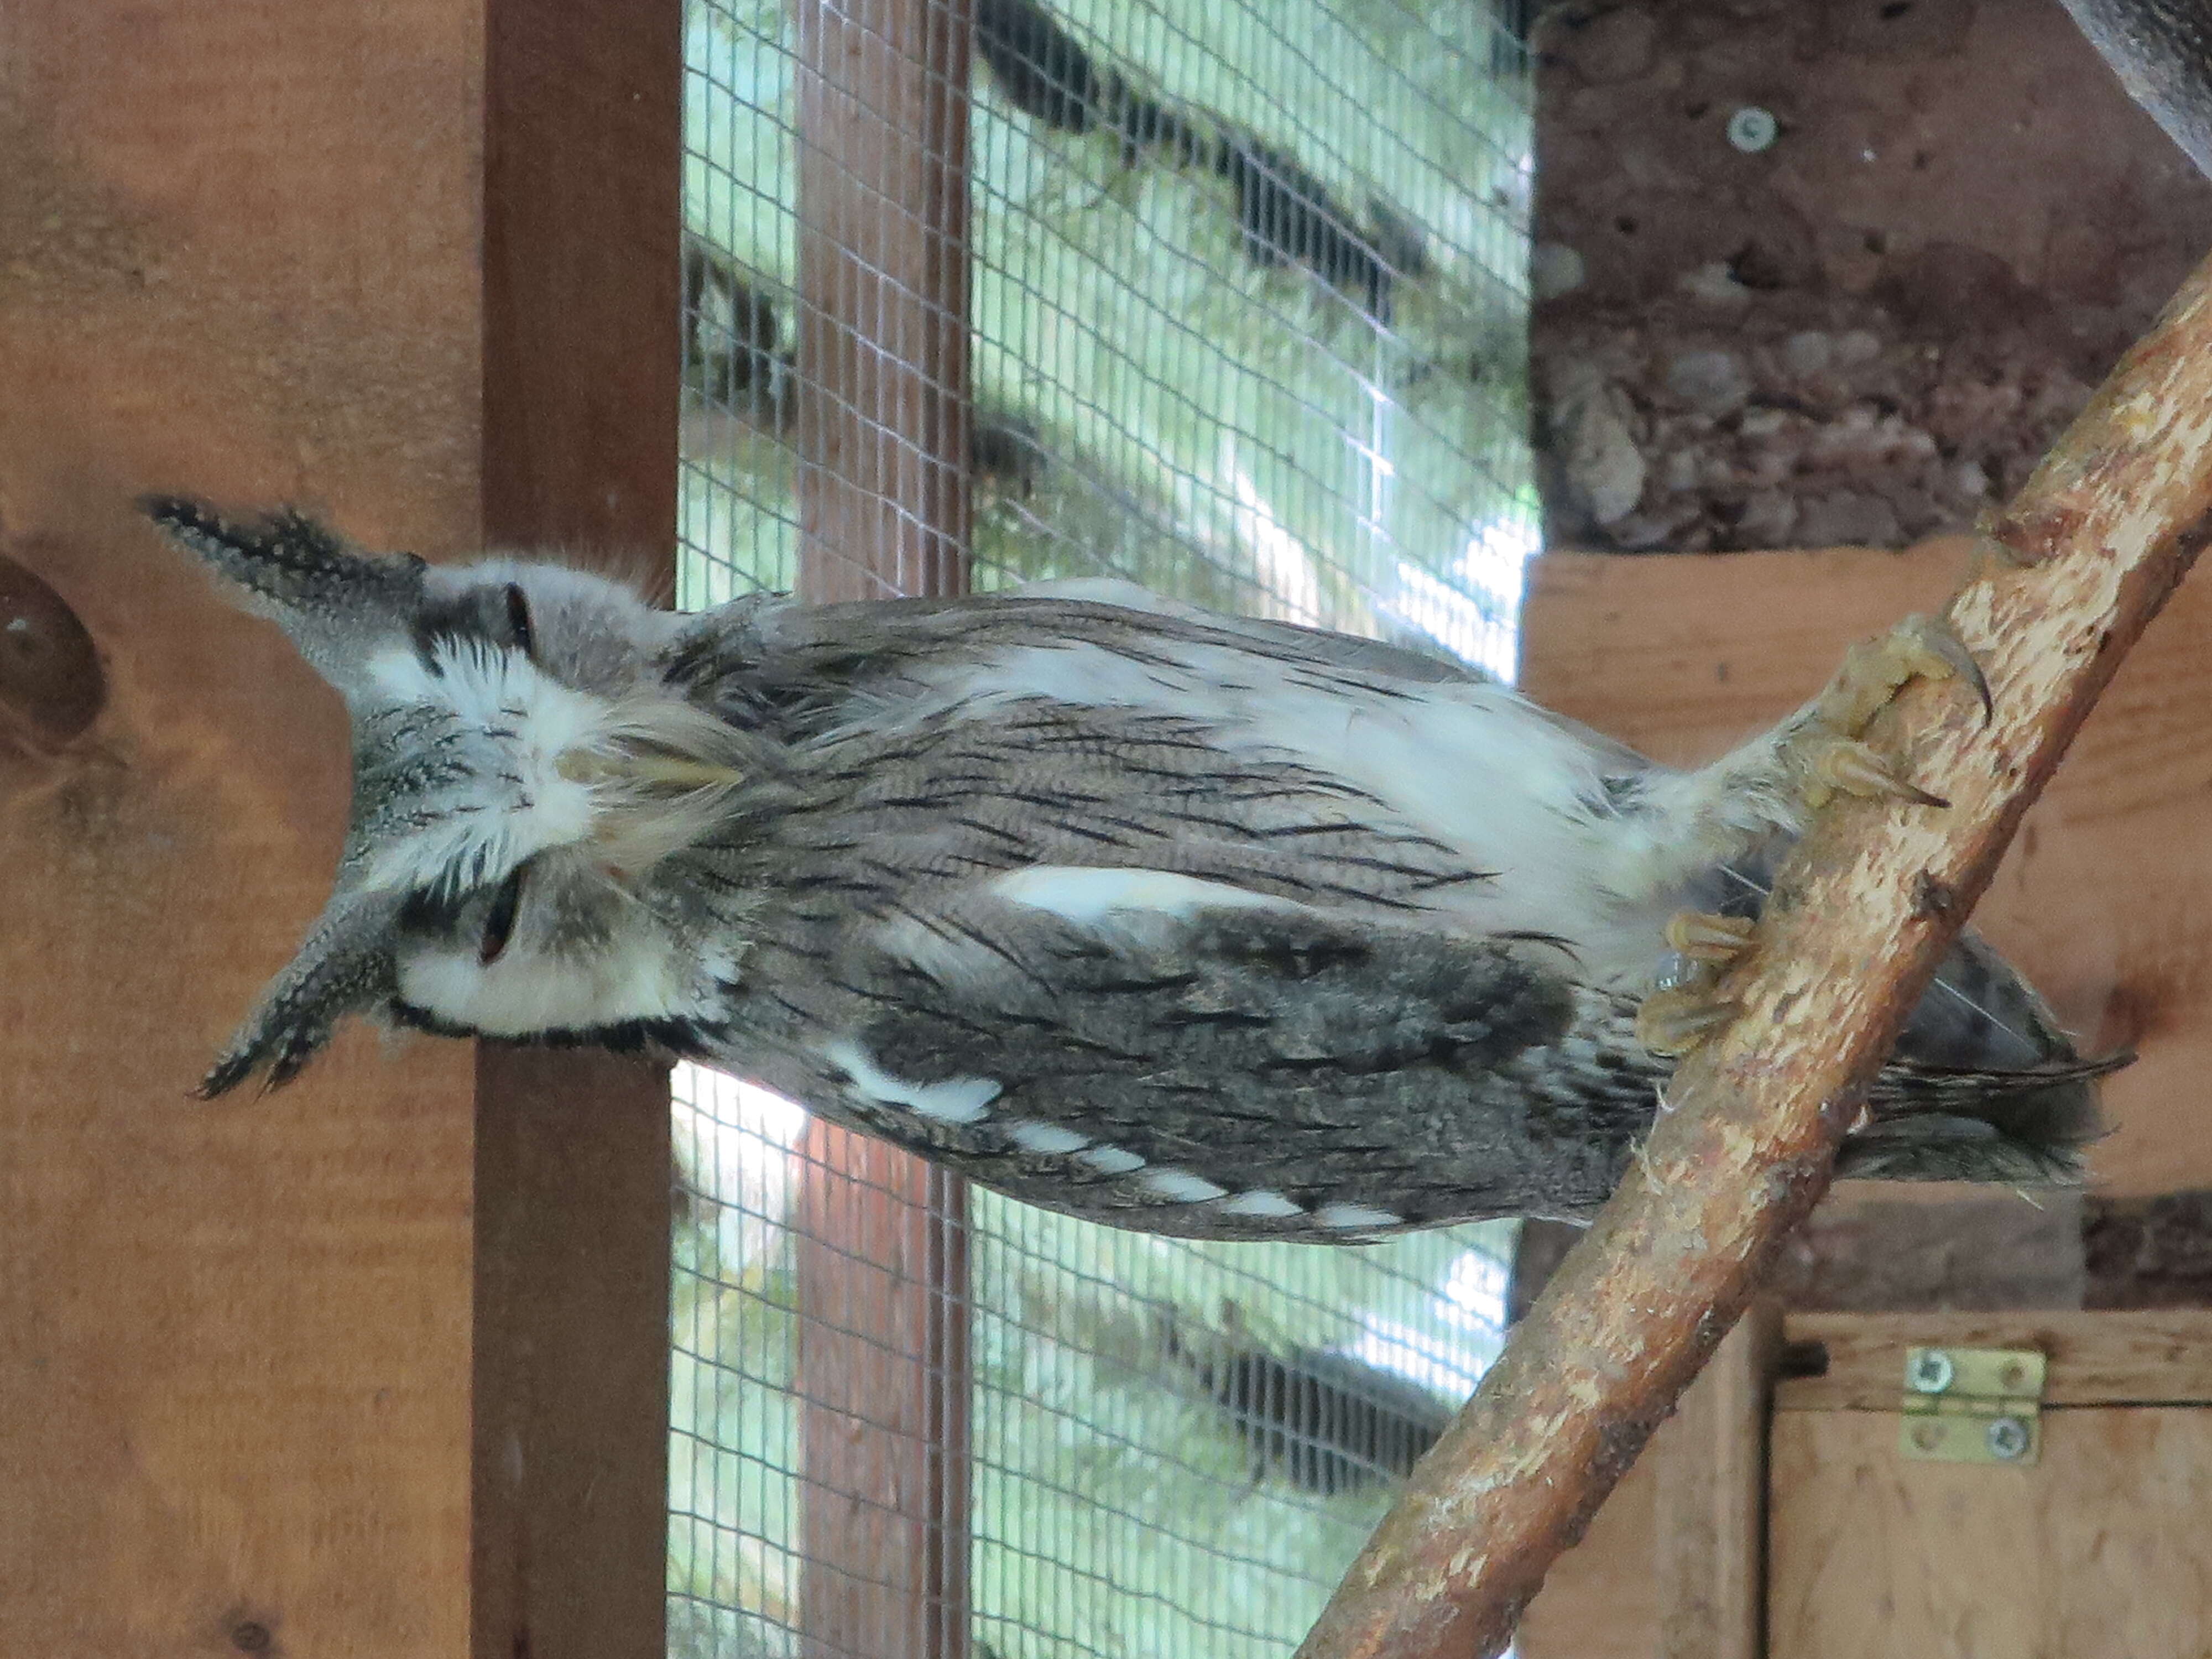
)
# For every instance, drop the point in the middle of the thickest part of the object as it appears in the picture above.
(2098, 1553)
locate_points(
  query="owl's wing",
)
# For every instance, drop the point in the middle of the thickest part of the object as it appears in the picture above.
(764, 660)
(1192, 1057)
(1410, 658)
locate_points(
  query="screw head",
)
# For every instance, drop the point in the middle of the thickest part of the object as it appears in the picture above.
(1931, 1372)
(2008, 1438)
(1752, 128)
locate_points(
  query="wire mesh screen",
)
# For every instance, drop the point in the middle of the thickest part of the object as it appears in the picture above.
(1227, 300)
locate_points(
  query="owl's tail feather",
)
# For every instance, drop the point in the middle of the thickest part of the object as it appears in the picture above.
(2026, 1127)
(1984, 1084)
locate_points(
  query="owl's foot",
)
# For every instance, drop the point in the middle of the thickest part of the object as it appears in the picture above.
(1682, 824)
(1816, 755)
(1675, 1020)
(1825, 752)
(1702, 937)
(1828, 765)
(1688, 1005)
(1875, 671)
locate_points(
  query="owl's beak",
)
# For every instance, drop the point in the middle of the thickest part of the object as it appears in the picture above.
(647, 804)
(661, 773)
(654, 772)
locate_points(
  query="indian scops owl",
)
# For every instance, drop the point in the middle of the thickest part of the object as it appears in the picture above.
(1174, 920)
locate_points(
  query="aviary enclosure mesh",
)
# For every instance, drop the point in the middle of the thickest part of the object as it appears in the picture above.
(1247, 310)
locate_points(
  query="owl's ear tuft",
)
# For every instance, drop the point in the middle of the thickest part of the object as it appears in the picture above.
(284, 557)
(323, 593)
(345, 967)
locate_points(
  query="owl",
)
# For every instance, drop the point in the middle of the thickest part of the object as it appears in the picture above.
(1184, 922)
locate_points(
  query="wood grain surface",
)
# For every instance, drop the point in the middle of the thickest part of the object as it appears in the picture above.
(2162, 1357)
(1673, 1566)
(2096, 1553)
(307, 1373)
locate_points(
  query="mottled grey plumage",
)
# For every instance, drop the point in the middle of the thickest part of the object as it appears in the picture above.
(1197, 923)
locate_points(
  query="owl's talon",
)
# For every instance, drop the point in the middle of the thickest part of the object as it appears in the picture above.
(1706, 938)
(1826, 752)
(1926, 644)
(1850, 767)
(1672, 1023)
(1875, 671)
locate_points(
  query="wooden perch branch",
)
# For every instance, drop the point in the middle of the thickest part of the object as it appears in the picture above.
(2067, 579)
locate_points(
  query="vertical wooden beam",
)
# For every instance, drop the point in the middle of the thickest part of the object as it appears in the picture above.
(1710, 1542)
(882, 274)
(372, 1365)
(569, 1534)
(883, 1380)
(581, 370)
(884, 509)
(583, 162)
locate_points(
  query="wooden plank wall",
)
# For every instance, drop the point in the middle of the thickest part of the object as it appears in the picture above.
(2093, 1550)
(2096, 1550)
(325, 1373)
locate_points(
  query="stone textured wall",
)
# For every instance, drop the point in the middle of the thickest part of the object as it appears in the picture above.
(1869, 329)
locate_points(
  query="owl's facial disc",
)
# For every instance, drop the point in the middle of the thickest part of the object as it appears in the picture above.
(519, 793)
(472, 756)
(457, 772)
(521, 765)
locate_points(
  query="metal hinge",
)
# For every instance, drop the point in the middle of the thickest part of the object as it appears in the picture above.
(1973, 1405)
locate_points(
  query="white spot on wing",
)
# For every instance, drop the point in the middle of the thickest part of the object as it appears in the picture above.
(1087, 896)
(1033, 1137)
(1267, 1205)
(955, 1099)
(1356, 1217)
(1110, 1160)
(1180, 1186)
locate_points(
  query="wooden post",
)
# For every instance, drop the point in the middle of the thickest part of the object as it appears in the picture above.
(582, 304)
(376, 1364)
(1710, 1542)
(883, 275)
(884, 509)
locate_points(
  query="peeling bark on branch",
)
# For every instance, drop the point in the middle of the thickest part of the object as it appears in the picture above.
(2068, 579)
